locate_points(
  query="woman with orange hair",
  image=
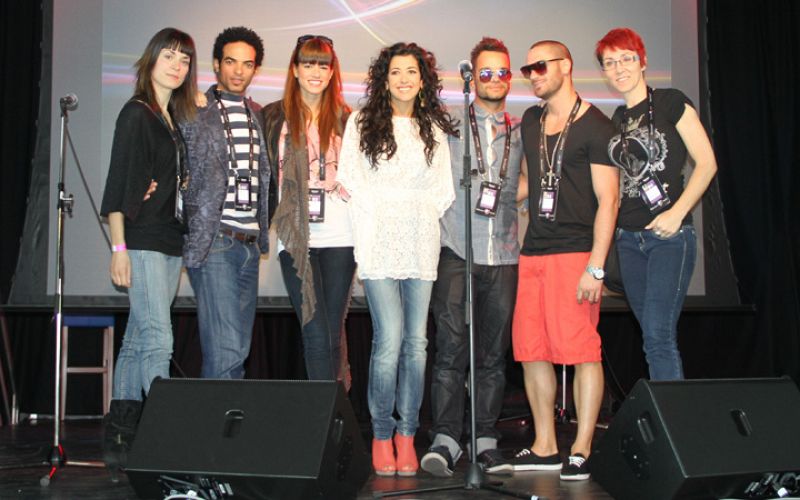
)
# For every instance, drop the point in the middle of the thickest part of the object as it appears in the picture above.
(315, 242)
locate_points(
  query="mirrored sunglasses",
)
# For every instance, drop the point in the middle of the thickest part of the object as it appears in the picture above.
(503, 74)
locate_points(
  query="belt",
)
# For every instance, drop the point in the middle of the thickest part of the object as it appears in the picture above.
(236, 235)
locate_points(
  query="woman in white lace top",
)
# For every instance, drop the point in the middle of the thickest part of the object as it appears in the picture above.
(395, 163)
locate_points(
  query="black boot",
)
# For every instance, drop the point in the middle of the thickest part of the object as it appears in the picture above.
(120, 429)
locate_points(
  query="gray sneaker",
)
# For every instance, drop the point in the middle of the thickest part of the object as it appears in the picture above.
(438, 461)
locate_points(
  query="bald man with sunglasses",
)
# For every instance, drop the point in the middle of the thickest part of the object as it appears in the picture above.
(496, 157)
(573, 196)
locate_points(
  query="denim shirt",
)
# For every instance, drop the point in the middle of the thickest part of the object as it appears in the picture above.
(494, 239)
(207, 148)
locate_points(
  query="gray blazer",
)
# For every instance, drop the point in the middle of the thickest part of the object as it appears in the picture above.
(208, 157)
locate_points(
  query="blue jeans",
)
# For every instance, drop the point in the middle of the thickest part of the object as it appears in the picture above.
(147, 344)
(332, 270)
(656, 273)
(399, 312)
(226, 288)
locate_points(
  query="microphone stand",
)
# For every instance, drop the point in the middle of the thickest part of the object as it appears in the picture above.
(58, 457)
(475, 478)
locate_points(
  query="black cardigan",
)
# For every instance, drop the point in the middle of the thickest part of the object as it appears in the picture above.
(143, 150)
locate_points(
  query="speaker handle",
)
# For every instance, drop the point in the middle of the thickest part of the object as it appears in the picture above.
(742, 422)
(337, 428)
(645, 429)
(233, 422)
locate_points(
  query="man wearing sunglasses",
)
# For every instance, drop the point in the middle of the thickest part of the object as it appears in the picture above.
(226, 205)
(496, 157)
(573, 196)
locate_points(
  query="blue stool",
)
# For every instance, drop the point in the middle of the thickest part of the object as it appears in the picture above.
(107, 368)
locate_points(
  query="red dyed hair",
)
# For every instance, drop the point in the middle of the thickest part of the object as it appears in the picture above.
(621, 39)
(314, 51)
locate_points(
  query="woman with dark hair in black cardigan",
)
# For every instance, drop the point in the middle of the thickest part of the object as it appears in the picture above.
(143, 204)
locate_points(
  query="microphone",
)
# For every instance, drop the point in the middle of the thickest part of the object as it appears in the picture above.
(465, 68)
(69, 101)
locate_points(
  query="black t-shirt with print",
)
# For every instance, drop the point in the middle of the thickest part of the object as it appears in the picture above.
(587, 142)
(670, 154)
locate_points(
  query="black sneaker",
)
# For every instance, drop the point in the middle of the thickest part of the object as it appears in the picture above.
(525, 459)
(577, 469)
(493, 462)
(438, 461)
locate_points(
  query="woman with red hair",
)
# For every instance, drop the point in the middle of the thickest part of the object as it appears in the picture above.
(315, 242)
(656, 243)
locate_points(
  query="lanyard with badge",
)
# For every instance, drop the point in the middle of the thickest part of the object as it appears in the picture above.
(551, 175)
(316, 196)
(181, 174)
(489, 194)
(651, 190)
(243, 182)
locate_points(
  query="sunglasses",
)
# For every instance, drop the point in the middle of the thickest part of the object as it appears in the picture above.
(539, 67)
(503, 74)
(303, 39)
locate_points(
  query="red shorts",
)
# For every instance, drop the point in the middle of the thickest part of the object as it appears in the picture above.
(549, 324)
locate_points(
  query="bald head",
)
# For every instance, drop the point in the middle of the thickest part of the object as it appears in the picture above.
(557, 49)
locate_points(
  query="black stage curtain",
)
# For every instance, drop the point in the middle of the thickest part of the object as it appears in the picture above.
(20, 56)
(753, 70)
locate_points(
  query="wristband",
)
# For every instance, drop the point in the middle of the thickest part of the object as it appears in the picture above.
(119, 248)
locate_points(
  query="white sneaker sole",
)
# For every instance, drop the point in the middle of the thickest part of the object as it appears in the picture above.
(435, 464)
(504, 469)
(534, 467)
(575, 477)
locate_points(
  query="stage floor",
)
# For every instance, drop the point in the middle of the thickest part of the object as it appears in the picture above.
(26, 444)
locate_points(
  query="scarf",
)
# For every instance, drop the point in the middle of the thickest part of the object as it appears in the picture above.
(291, 220)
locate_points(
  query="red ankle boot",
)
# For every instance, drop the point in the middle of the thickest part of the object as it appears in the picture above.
(383, 460)
(407, 463)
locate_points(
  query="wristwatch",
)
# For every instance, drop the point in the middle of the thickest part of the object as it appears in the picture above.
(596, 272)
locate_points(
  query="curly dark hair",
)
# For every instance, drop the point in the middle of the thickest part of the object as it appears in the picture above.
(375, 118)
(239, 34)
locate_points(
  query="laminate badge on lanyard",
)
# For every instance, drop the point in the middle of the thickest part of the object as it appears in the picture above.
(242, 198)
(316, 205)
(488, 199)
(548, 201)
(652, 192)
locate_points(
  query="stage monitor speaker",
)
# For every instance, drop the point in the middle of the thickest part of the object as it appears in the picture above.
(248, 439)
(699, 438)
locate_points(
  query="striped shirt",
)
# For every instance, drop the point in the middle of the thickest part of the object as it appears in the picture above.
(244, 135)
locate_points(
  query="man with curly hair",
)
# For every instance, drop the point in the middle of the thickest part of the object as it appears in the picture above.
(226, 204)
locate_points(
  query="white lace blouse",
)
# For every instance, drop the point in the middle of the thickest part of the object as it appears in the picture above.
(395, 208)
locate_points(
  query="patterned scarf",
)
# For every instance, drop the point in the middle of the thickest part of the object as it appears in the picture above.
(291, 220)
